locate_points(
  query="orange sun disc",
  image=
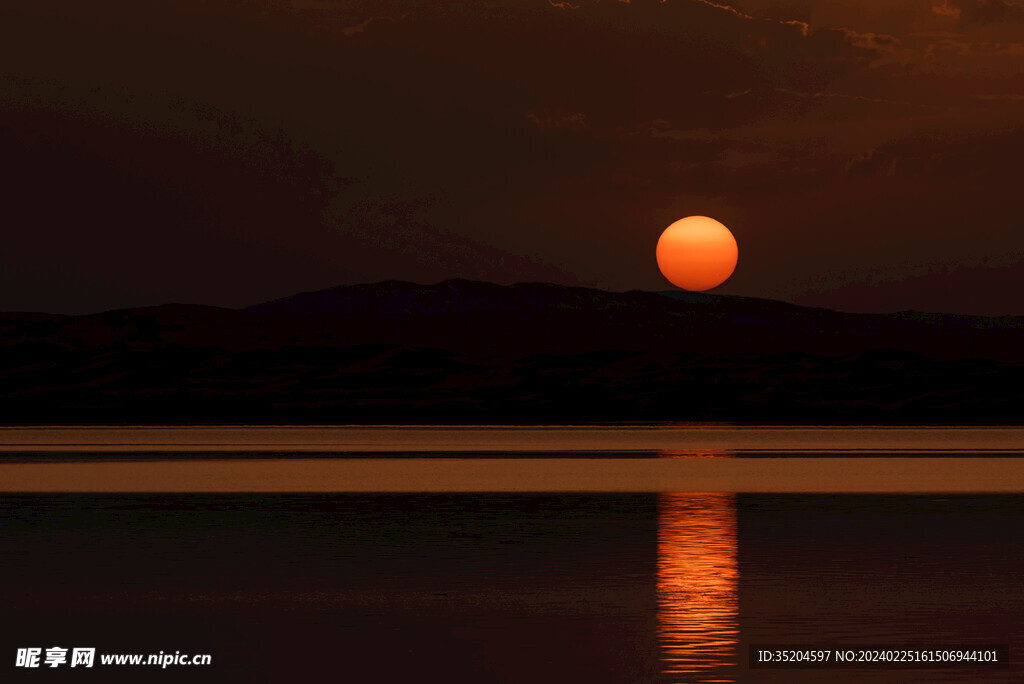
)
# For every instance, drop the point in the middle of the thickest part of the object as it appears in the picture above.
(697, 253)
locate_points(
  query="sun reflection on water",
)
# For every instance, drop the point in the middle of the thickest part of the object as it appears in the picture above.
(697, 586)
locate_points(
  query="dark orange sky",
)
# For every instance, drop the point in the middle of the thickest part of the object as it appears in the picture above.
(865, 153)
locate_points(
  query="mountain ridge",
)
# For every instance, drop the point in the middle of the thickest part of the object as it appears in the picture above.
(459, 285)
(465, 351)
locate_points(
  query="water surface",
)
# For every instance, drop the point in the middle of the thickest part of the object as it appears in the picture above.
(517, 555)
(509, 587)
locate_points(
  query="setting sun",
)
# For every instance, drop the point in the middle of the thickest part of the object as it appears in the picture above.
(697, 253)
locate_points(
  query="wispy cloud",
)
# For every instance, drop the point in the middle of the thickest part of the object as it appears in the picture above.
(350, 31)
(802, 26)
(946, 10)
(980, 12)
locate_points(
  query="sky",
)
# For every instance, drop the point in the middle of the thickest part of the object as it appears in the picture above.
(865, 153)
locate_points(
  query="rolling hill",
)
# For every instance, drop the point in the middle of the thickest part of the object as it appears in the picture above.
(465, 351)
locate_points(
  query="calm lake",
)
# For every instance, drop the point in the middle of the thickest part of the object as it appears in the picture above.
(621, 554)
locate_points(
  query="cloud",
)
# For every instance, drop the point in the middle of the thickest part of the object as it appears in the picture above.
(981, 12)
(947, 10)
(802, 26)
(349, 31)
(971, 60)
(1001, 97)
(556, 119)
(964, 48)
(888, 164)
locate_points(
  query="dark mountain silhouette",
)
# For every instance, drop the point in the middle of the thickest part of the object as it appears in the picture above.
(537, 316)
(464, 351)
